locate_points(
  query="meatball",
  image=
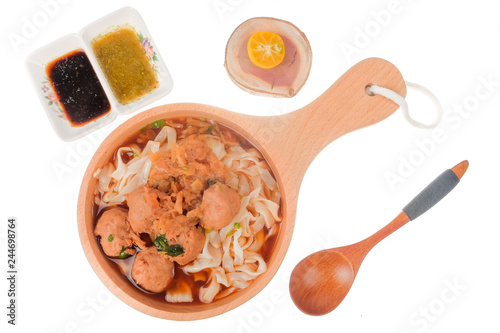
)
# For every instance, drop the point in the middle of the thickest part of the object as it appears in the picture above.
(152, 270)
(115, 232)
(183, 232)
(192, 240)
(145, 206)
(220, 205)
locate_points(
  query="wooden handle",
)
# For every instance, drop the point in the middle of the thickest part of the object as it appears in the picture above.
(297, 137)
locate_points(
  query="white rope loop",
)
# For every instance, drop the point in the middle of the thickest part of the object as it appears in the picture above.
(398, 99)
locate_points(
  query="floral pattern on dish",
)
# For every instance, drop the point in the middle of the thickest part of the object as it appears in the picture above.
(53, 99)
(148, 50)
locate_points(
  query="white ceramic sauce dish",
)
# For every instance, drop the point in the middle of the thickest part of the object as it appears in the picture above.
(38, 61)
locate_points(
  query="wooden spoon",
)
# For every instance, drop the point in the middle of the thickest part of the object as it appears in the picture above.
(321, 281)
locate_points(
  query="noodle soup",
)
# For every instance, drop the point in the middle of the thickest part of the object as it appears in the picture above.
(188, 209)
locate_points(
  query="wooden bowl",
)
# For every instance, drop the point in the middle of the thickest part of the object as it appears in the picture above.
(289, 142)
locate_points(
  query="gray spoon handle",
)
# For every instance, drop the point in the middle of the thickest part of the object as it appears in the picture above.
(432, 194)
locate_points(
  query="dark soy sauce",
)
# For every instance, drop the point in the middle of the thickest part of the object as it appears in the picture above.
(78, 89)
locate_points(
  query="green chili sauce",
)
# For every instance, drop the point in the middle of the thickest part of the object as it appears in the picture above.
(125, 64)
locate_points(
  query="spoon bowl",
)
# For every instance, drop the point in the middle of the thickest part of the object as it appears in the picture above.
(327, 277)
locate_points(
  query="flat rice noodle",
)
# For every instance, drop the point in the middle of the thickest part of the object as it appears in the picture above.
(226, 292)
(244, 188)
(132, 168)
(171, 137)
(217, 147)
(252, 257)
(256, 182)
(151, 146)
(234, 182)
(167, 134)
(136, 181)
(241, 284)
(181, 293)
(136, 164)
(252, 171)
(258, 224)
(244, 204)
(259, 241)
(235, 277)
(272, 206)
(268, 179)
(238, 251)
(215, 239)
(208, 292)
(246, 230)
(227, 260)
(105, 177)
(162, 135)
(120, 165)
(246, 242)
(264, 212)
(220, 276)
(210, 257)
(217, 277)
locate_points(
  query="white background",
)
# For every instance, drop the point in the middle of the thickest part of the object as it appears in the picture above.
(447, 46)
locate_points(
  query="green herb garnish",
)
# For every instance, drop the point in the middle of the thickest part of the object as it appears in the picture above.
(174, 250)
(185, 168)
(207, 231)
(133, 152)
(161, 242)
(158, 124)
(210, 129)
(236, 226)
(110, 238)
(123, 254)
(170, 250)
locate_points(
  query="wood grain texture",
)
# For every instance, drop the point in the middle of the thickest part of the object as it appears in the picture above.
(296, 66)
(289, 143)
